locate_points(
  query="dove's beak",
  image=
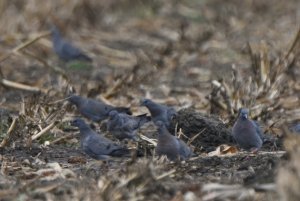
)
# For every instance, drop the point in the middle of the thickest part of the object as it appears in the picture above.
(142, 102)
(245, 116)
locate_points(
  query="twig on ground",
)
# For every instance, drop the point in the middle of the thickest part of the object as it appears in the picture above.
(114, 88)
(62, 138)
(120, 82)
(166, 174)
(9, 132)
(265, 187)
(195, 136)
(24, 45)
(148, 140)
(43, 131)
(20, 86)
(58, 101)
(292, 48)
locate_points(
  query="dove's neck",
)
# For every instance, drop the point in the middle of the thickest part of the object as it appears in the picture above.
(155, 110)
(163, 133)
(76, 100)
(118, 119)
(243, 119)
(244, 123)
(56, 35)
(85, 130)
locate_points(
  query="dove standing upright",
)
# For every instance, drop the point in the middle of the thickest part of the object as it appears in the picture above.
(123, 126)
(160, 112)
(97, 146)
(171, 146)
(95, 110)
(65, 50)
(247, 132)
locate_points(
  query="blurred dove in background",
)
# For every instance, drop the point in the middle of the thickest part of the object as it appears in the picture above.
(64, 49)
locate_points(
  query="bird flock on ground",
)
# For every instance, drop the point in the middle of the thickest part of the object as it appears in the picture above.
(122, 125)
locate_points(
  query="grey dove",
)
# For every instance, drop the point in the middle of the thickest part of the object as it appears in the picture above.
(160, 112)
(97, 146)
(171, 146)
(296, 128)
(95, 110)
(64, 49)
(124, 126)
(246, 132)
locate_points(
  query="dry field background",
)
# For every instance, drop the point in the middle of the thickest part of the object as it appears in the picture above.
(205, 58)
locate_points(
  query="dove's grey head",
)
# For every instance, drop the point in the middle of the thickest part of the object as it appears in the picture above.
(78, 123)
(297, 128)
(244, 113)
(75, 99)
(54, 31)
(161, 127)
(145, 102)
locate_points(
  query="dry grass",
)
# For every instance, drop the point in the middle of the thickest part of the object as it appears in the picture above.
(269, 90)
(172, 51)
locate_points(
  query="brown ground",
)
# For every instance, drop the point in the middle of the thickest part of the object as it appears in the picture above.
(169, 51)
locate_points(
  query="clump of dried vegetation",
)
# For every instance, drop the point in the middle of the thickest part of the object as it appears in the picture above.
(268, 90)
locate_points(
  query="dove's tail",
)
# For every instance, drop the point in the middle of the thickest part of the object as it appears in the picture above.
(143, 118)
(124, 152)
(121, 152)
(84, 57)
(123, 110)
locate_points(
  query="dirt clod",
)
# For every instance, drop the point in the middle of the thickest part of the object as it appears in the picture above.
(213, 132)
